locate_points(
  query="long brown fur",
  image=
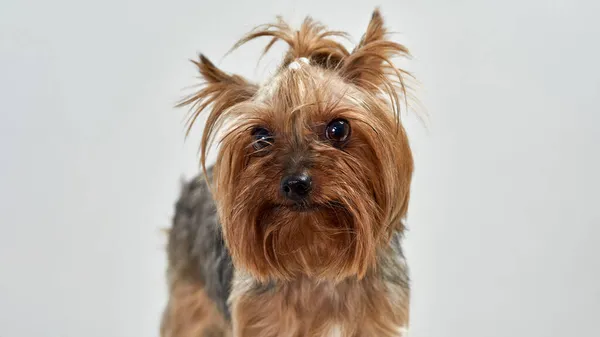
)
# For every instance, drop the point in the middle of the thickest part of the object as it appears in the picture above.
(308, 273)
(190, 313)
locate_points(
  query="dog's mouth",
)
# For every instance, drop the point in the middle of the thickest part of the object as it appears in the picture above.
(300, 207)
(307, 207)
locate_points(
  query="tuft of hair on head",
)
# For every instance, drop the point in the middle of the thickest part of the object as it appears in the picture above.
(312, 41)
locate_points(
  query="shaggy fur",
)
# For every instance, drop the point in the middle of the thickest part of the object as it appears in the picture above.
(330, 264)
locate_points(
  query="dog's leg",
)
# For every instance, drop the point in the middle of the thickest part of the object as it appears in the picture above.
(191, 313)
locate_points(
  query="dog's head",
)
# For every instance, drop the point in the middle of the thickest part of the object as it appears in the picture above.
(314, 167)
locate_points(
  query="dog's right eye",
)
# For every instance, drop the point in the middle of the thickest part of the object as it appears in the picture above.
(262, 138)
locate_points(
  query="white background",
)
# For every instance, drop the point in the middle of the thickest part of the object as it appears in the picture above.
(504, 220)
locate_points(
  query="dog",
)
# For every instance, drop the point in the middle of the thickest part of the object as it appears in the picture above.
(296, 229)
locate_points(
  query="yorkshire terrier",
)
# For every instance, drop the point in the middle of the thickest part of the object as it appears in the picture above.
(296, 229)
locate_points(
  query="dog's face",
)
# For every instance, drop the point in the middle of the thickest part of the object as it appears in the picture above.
(314, 167)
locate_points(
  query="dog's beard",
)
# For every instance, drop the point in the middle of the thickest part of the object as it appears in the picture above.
(316, 241)
(331, 240)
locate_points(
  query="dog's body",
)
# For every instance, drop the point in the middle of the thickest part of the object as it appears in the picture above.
(301, 236)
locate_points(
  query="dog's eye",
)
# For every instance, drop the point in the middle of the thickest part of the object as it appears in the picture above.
(262, 138)
(338, 130)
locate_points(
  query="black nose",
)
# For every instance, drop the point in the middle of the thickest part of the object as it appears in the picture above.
(296, 187)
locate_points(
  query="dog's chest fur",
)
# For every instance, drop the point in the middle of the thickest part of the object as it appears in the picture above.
(374, 306)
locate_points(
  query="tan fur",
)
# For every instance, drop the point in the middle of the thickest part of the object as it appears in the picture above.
(302, 308)
(190, 313)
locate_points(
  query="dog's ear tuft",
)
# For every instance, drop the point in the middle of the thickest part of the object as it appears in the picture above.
(220, 91)
(210, 72)
(371, 63)
(376, 30)
(372, 60)
(215, 76)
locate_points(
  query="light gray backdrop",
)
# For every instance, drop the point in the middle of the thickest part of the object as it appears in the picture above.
(504, 221)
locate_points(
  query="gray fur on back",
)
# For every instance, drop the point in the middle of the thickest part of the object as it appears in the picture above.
(196, 250)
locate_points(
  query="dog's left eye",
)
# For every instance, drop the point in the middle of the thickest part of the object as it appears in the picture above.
(262, 138)
(338, 130)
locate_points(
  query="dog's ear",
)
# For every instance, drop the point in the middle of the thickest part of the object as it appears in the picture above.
(370, 65)
(217, 77)
(219, 90)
